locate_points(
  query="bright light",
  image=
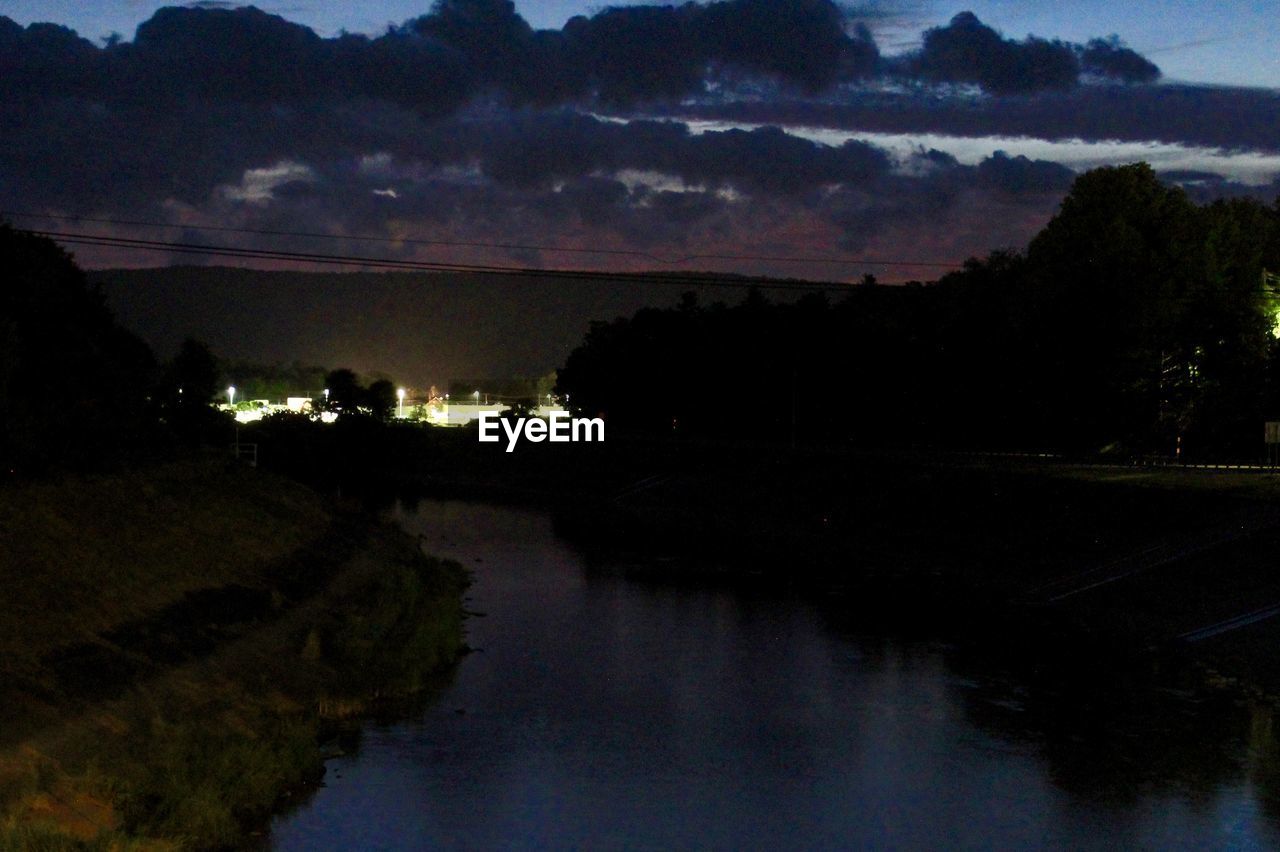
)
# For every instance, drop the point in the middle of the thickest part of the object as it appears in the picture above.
(231, 395)
(326, 393)
(400, 393)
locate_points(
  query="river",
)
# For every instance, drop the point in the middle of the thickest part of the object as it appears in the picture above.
(604, 712)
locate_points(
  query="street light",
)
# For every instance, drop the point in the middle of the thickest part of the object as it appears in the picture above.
(400, 410)
(231, 395)
(477, 396)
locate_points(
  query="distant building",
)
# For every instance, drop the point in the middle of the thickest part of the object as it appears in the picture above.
(448, 413)
(256, 409)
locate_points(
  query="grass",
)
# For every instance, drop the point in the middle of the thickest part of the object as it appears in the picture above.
(84, 555)
(216, 703)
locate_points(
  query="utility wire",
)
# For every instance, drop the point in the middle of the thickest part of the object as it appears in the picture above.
(691, 279)
(705, 279)
(673, 261)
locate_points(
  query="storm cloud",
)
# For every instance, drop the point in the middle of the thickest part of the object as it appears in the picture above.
(1228, 118)
(968, 51)
(465, 48)
(467, 125)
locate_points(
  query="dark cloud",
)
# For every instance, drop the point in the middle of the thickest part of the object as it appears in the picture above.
(1020, 175)
(536, 148)
(1205, 187)
(773, 161)
(969, 51)
(42, 59)
(466, 49)
(454, 125)
(630, 54)
(935, 195)
(1201, 115)
(536, 176)
(1109, 59)
(799, 40)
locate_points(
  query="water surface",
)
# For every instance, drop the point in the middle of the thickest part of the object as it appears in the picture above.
(603, 712)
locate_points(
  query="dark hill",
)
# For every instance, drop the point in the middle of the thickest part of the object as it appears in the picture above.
(419, 327)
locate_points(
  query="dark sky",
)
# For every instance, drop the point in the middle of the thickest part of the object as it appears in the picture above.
(700, 138)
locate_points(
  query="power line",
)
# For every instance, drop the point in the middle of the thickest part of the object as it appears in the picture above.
(691, 279)
(673, 261)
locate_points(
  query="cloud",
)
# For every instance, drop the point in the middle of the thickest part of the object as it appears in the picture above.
(1020, 175)
(468, 125)
(1110, 59)
(1204, 187)
(526, 176)
(968, 51)
(628, 54)
(1212, 116)
(469, 49)
(258, 186)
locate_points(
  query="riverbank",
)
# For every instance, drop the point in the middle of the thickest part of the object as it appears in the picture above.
(1062, 559)
(174, 642)
(610, 712)
(1096, 563)
(1120, 559)
(1066, 559)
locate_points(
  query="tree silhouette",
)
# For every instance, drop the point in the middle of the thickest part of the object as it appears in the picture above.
(1135, 322)
(73, 384)
(380, 399)
(345, 392)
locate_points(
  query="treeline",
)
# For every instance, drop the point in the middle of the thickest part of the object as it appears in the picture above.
(275, 382)
(1135, 322)
(79, 392)
(77, 389)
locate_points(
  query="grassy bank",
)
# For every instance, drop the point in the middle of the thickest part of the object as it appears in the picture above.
(173, 643)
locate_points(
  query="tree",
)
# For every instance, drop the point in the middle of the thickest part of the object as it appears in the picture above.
(73, 384)
(1109, 281)
(189, 385)
(380, 399)
(345, 392)
(192, 375)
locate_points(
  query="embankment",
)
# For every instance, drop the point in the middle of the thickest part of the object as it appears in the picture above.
(1097, 561)
(174, 643)
(1097, 564)
(1085, 561)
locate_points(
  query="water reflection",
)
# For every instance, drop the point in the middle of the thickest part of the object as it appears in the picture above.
(602, 712)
